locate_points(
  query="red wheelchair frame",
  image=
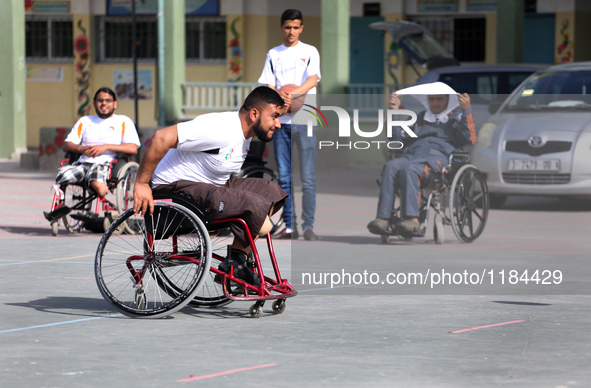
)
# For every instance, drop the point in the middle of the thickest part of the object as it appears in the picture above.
(80, 202)
(174, 264)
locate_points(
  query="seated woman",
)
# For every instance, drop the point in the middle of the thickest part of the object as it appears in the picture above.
(445, 126)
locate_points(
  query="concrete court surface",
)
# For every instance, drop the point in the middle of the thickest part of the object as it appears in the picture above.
(57, 331)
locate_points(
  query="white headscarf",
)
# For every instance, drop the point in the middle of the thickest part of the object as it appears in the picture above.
(420, 92)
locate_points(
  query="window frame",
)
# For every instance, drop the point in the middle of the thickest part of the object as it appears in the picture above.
(101, 43)
(48, 39)
(202, 21)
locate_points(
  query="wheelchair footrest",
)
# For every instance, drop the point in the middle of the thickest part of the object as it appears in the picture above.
(85, 217)
(57, 213)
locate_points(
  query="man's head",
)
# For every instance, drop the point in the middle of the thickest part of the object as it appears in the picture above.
(263, 108)
(292, 25)
(105, 102)
(438, 103)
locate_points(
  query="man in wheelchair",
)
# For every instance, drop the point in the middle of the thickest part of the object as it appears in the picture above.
(97, 139)
(445, 126)
(197, 158)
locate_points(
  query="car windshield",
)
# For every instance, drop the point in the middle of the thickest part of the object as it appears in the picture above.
(483, 86)
(554, 91)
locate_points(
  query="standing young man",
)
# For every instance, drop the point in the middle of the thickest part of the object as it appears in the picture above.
(297, 63)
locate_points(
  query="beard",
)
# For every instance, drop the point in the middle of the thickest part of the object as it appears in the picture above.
(261, 134)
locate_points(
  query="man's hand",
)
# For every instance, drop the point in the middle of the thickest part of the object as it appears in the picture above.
(96, 150)
(142, 199)
(287, 98)
(394, 101)
(464, 100)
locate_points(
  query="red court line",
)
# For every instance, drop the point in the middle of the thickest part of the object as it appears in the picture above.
(193, 378)
(484, 327)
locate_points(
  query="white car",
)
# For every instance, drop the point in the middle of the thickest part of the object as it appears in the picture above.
(539, 140)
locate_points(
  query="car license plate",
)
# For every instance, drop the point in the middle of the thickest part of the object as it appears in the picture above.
(534, 164)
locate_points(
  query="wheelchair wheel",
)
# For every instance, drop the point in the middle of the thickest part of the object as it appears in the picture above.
(124, 192)
(156, 272)
(212, 293)
(74, 194)
(438, 233)
(54, 227)
(268, 174)
(468, 203)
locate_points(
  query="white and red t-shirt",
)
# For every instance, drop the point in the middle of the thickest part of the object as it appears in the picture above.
(211, 147)
(291, 65)
(92, 130)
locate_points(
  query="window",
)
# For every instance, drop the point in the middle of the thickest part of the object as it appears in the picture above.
(469, 39)
(205, 39)
(464, 38)
(49, 39)
(115, 39)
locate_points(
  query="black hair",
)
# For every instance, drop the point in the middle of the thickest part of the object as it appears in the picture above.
(292, 14)
(105, 89)
(260, 96)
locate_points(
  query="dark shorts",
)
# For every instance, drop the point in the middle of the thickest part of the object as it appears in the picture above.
(251, 199)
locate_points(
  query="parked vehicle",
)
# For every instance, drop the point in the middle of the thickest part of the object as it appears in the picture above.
(485, 84)
(539, 140)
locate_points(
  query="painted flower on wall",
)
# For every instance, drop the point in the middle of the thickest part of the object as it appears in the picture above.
(81, 44)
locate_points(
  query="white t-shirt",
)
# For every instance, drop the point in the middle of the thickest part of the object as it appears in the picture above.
(92, 130)
(211, 147)
(291, 65)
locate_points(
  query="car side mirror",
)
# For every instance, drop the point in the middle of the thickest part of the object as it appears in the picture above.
(493, 107)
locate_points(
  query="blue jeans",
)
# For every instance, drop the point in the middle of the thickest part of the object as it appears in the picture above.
(306, 147)
(404, 174)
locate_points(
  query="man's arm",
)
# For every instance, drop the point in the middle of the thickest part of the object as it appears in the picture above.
(163, 140)
(304, 88)
(93, 151)
(465, 133)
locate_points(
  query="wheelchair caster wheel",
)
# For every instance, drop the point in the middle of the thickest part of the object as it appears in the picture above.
(54, 226)
(256, 310)
(278, 306)
(109, 220)
(384, 238)
(438, 231)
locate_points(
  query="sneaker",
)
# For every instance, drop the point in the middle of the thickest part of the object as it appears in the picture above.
(410, 225)
(241, 269)
(379, 226)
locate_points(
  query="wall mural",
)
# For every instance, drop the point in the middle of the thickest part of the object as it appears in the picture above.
(392, 62)
(235, 61)
(81, 54)
(564, 51)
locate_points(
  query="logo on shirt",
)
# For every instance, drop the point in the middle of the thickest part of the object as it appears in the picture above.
(229, 154)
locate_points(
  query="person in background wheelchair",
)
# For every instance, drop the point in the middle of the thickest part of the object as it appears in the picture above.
(197, 158)
(445, 126)
(98, 139)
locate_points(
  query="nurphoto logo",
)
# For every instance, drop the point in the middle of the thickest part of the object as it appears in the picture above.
(395, 118)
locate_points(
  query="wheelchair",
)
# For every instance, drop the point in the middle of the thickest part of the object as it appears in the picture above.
(173, 262)
(74, 207)
(457, 195)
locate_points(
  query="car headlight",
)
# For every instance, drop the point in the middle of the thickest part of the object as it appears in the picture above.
(486, 134)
